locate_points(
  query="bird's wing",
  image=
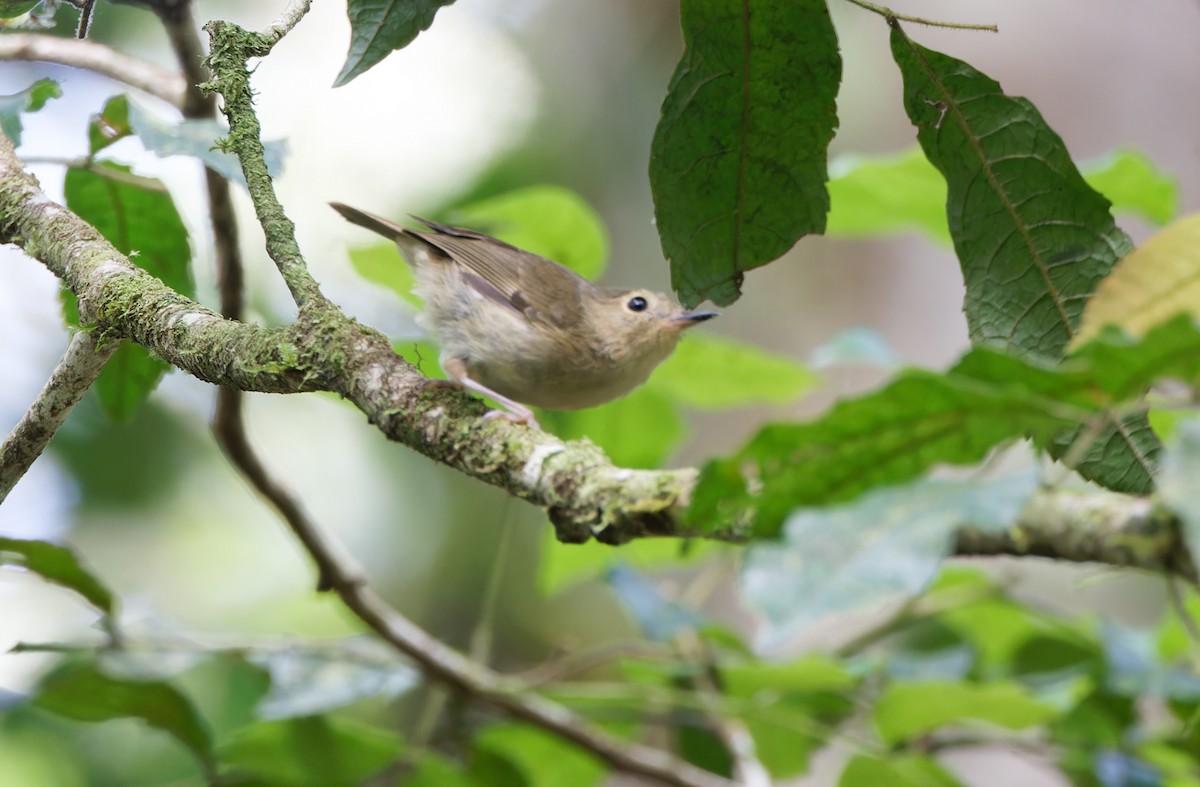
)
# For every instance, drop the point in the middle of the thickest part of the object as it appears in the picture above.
(538, 288)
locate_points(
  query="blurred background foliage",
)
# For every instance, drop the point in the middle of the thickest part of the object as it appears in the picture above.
(531, 116)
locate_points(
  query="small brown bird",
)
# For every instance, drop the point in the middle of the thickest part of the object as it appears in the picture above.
(523, 329)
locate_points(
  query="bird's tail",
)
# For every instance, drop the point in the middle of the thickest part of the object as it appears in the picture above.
(388, 229)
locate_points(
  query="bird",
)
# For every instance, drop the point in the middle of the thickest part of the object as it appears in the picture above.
(524, 330)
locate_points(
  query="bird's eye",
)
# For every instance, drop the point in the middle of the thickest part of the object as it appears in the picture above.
(637, 304)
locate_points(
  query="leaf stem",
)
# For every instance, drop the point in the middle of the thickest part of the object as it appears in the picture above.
(889, 14)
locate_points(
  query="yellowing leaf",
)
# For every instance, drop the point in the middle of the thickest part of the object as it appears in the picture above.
(1154, 282)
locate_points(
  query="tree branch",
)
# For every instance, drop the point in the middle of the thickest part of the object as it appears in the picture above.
(140, 74)
(75, 373)
(230, 48)
(1096, 527)
(584, 494)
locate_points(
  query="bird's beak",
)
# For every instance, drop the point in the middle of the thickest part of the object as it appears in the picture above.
(688, 319)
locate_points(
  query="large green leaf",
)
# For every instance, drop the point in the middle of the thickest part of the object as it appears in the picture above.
(139, 218)
(890, 436)
(379, 27)
(907, 710)
(541, 759)
(787, 707)
(713, 372)
(1033, 239)
(1134, 184)
(82, 692)
(11, 9)
(639, 430)
(901, 770)
(31, 99)
(382, 264)
(562, 565)
(737, 165)
(886, 544)
(882, 195)
(314, 751)
(59, 565)
(921, 418)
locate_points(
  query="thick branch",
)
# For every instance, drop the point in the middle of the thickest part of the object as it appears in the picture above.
(136, 73)
(1097, 527)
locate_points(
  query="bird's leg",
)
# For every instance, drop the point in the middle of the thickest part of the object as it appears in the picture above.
(516, 412)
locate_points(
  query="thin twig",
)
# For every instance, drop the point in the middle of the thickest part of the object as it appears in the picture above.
(231, 47)
(748, 769)
(92, 165)
(579, 662)
(290, 17)
(69, 381)
(95, 57)
(86, 9)
(916, 20)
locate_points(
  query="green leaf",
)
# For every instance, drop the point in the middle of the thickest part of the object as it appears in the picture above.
(1133, 184)
(888, 437)
(314, 751)
(737, 165)
(433, 770)
(879, 195)
(140, 221)
(1121, 452)
(544, 760)
(1123, 366)
(639, 430)
(920, 419)
(547, 220)
(310, 681)
(902, 770)
(421, 354)
(379, 27)
(31, 99)
(127, 379)
(887, 543)
(80, 691)
(11, 9)
(59, 565)
(872, 196)
(807, 674)
(109, 126)
(1033, 239)
(563, 565)
(908, 710)
(198, 138)
(713, 372)
(789, 708)
(382, 264)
